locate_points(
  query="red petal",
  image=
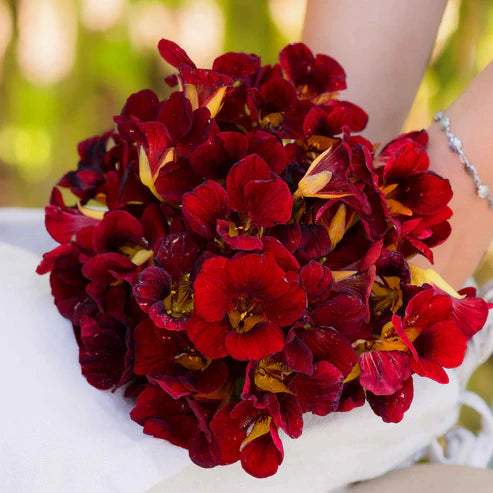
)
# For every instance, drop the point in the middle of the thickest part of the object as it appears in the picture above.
(277, 95)
(332, 118)
(208, 338)
(50, 258)
(321, 391)
(203, 452)
(102, 354)
(176, 113)
(212, 298)
(353, 396)
(153, 284)
(391, 408)
(214, 158)
(268, 147)
(430, 369)
(258, 275)
(289, 235)
(298, 356)
(159, 315)
(239, 242)
(287, 308)
(117, 228)
(263, 340)
(426, 308)
(315, 243)
(316, 279)
(296, 61)
(268, 202)
(236, 65)
(63, 226)
(328, 345)
(320, 74)
(284, 258)
(142, 104)
(469, 314)
(149, 349)
(343, 313)
(204, 206)
(417, 137)
(345, 114)
(383, 372)
(178, 382)
(291, 417)
(173, 54)
(404, 161)
(164, 417)
(154, 224)
(261, 457)
(229, 434)
(177, 254)
(175, 179)
(443, 343)
(426, 193)
(250, 168)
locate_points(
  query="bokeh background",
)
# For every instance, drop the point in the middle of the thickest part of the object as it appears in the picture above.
(67, 66)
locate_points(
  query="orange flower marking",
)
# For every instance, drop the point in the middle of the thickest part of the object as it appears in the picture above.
(261, 427)
(179, 303)
(269, 376)
(192, 360)
(387, 294)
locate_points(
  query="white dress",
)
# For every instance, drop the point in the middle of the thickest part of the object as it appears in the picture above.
(59, 434)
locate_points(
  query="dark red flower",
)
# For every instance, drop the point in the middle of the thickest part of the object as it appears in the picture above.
(416, 197)
(433, 338)
(319, 392)
(236, 258)
(391, 408)
(384, 372)
(261, 452)
(267, 385)
(312, 76)
(165, 417)
(243, 302)
(257, 199)
(85, 181)
(102, 351)
(68, 285)
(164, 291)
(330, 119)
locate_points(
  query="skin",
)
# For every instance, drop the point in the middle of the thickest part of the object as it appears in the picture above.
(384, 47)
(385, 62)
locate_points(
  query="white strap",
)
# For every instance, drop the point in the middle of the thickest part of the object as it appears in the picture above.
(463, 447)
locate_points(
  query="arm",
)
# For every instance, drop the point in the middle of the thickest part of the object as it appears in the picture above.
(384, 47)
(471, 118)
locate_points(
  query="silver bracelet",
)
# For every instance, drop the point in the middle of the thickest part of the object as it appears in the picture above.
(455, 145)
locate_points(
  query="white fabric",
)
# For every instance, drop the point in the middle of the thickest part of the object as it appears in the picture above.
(59, 434)
(463, 447)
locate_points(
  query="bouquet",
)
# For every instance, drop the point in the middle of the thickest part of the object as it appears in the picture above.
(236, 255)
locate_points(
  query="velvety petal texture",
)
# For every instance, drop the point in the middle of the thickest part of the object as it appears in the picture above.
(236, 254)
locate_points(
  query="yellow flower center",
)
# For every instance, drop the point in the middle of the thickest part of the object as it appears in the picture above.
(179, 302)
(270, 374)
(245, 316)
(387, 294)
(191, 360)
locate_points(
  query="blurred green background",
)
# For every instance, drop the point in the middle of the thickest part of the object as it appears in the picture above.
(67, 66)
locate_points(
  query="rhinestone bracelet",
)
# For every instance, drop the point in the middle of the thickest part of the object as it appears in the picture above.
(455, 144)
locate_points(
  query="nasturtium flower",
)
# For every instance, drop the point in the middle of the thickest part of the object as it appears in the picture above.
(241, 305)
(236, 255)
